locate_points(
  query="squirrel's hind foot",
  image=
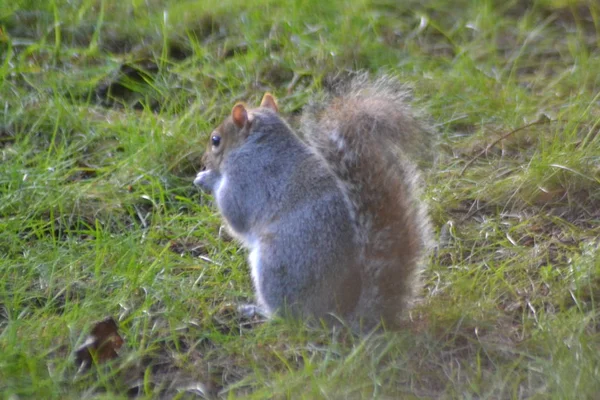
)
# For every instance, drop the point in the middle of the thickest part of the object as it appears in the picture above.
(251, 311)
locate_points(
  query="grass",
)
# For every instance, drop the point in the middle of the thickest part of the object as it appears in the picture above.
(105, 111)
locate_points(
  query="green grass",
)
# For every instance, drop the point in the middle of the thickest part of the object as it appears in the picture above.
(105, 108)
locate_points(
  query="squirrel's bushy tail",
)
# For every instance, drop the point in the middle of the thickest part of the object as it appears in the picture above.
(371, 139)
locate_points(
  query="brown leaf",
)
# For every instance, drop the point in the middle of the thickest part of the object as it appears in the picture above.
(101, 345)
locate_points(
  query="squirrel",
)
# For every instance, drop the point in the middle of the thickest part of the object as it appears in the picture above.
(332, 219)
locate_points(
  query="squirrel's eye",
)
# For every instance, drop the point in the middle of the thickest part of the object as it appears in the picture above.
(216, 140)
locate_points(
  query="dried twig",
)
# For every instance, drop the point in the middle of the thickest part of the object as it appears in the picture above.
(540, 121)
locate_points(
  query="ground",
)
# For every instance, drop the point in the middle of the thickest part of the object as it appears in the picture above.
(106, 107)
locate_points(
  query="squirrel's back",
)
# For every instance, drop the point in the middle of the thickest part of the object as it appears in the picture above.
(368, 136)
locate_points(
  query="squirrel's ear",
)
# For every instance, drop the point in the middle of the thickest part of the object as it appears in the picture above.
(268, 101)
(239, 115)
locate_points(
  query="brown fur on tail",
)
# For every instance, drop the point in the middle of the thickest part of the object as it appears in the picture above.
(371, 140)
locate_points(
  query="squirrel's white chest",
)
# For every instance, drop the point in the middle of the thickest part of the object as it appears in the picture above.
(220, 188)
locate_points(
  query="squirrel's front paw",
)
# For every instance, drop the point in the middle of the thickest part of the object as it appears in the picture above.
(205, 180)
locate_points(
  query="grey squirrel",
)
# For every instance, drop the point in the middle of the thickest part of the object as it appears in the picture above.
(332, 221)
